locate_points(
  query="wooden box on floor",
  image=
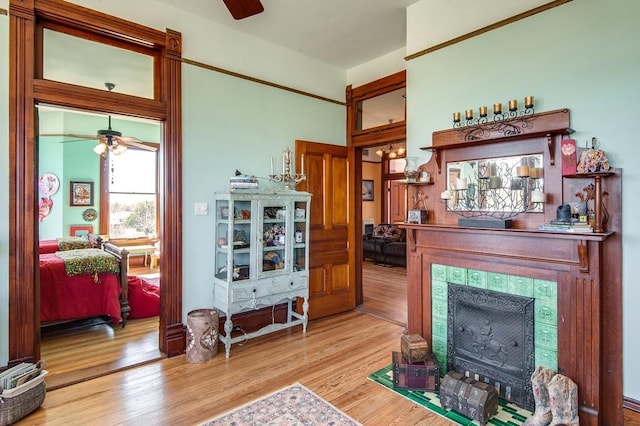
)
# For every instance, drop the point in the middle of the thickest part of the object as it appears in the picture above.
(414, 348)
(467, 396)
(422, 375)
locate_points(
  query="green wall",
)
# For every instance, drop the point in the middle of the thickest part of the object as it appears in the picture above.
(230, 123)
(583, 56)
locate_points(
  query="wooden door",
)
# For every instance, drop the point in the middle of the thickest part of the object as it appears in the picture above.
(330, 177)
(397, 201)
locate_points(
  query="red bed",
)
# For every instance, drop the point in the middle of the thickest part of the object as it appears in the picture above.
(66, 297)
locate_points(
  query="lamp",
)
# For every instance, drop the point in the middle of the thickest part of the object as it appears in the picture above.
(390, 152)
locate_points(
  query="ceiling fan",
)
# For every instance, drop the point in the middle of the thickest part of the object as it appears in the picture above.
(108, 139)
(241, 9)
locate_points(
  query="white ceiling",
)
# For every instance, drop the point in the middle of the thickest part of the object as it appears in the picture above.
(344, 33)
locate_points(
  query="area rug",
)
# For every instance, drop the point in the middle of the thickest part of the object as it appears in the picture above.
(508, 414)
(293, 405)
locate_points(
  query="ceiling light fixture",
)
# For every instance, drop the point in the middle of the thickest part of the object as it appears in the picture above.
(108, 137)
(390, 152)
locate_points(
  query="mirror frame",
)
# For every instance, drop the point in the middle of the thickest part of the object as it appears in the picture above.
(26, 89)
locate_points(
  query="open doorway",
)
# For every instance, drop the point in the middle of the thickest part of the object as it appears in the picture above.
(376, 128)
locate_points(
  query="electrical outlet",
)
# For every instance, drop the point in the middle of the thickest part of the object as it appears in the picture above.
(201, 209)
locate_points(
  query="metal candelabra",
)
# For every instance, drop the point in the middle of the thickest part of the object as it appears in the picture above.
(288, 176)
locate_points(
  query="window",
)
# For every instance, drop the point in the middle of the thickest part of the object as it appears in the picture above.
(133, 194)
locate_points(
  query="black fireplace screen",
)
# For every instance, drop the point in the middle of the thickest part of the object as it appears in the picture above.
(491, 339)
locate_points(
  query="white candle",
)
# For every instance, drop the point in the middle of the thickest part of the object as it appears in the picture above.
(302, 164)
(272, 166)
(445, 195)
(537, 196)
(461, 183)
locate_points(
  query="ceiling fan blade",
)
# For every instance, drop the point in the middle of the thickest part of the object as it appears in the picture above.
(70, 135)
(241, 9)
(129, 142)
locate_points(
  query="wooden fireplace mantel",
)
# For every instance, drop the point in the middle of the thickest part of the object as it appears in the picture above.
(586, 267)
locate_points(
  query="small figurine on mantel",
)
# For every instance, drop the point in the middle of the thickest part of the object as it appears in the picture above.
(420, 200)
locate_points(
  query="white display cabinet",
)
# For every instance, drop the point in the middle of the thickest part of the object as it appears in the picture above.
(261, 257)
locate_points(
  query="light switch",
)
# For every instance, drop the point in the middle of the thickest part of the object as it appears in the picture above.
(202, 209)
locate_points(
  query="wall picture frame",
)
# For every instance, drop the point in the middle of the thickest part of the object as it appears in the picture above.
(367, 190)
(80, 193)
(80, 230)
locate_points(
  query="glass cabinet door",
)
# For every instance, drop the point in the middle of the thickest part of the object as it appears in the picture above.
(300, 236)
(274, 217)
(233, 240)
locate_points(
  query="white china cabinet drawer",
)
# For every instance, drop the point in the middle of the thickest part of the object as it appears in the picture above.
(265, 288)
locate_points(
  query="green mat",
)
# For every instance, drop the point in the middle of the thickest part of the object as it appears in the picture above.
(508, 414)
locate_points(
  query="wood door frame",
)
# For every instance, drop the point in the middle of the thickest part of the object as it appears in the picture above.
(26, 89)
(359, 139)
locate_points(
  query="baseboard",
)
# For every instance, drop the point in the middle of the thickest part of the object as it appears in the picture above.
(631, 404)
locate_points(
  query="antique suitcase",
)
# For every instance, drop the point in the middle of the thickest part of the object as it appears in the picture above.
(414, 347)
(422, 375)
(474, 399)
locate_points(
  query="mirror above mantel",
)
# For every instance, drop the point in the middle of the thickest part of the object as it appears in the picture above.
(495, 187)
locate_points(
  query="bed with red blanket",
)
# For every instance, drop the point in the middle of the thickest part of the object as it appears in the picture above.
(84, 283)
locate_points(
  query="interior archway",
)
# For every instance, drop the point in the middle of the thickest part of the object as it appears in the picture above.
(28, 88)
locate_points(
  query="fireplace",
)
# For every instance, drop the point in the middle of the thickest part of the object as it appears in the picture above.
(490, 338)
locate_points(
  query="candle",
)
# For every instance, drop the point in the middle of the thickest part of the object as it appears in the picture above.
(528, 102)
(272, 167)
(536, 172)
(483, 111)
(456, 117)
(445, 195)
(302, 164)
(513, 105)
(522, 171)
(495, 182)
(497, 108)
(461, 183)
(537, 196)
(469, 114)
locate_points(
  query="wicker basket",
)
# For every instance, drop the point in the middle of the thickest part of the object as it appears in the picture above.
(20, 401)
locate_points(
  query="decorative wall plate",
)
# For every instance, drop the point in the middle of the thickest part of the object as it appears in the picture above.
(90, 215)
(49, 184)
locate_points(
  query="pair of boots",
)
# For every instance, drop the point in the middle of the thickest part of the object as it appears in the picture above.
(556, 398)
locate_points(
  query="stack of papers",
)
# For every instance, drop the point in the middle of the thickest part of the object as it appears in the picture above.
(18, 375)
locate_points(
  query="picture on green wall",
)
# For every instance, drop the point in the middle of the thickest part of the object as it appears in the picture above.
(80, 193)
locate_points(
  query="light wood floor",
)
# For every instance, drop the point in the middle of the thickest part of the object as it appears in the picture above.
(332, 359)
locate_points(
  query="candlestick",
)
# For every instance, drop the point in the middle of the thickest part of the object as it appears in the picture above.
(537, 196)
(497, 108)
(469, 114)
(522, 171)
(456, 117)
(495, 182)
(483, 111)
(513, 105)
(528, 102)
(536, 172)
